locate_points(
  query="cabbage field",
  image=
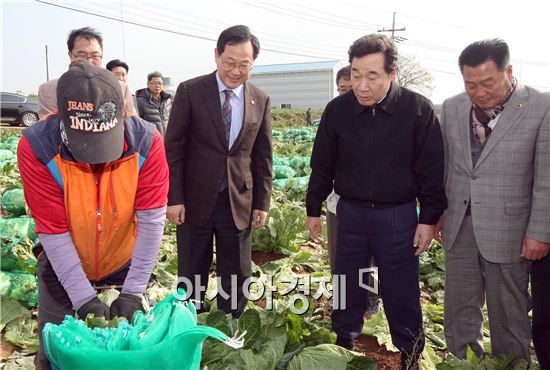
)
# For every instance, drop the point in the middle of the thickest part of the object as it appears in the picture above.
(282, 331)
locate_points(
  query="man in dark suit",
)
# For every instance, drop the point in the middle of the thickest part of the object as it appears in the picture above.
(219, 153)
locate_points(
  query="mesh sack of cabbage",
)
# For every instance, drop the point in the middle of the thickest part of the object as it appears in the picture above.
(167, 337)
(19, 286)
(300, 164)
(16, 254)
(13, 201)
(283, 172)
(6, 154)
(19, 227)
(298, 184)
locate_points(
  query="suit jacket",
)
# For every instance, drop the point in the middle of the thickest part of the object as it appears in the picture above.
(198, 156)
(509, 188)
(47, 98)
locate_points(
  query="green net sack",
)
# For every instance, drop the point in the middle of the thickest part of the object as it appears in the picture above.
(282, 184)
(14, 139)
(6, 155)
(283, 172)
(300, 184)
(19, 286)
(16, 255)
(299, 135)
(22, 227)
(13, 201)
(12, 147)
(301, 165)
(297, 184)
(166, 337)
(281, 161)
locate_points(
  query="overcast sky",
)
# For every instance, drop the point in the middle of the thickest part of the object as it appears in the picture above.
(177, 38)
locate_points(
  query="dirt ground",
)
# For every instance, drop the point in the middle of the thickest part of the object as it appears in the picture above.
(6, 349)
(260, 258)
(365, 344)
(370, 347)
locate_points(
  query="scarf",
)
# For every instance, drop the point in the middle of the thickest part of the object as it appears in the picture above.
(480, 117)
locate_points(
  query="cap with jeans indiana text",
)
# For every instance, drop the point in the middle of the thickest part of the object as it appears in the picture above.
(91, 107)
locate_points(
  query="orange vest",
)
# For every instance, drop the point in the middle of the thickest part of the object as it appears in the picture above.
(100, 212)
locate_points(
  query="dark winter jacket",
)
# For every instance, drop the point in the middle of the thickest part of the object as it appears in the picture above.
(156, 112)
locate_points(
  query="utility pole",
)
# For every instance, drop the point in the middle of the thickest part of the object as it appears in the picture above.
(392, 30)
(47, 67)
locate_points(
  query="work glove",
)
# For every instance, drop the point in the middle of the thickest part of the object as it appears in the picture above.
(94, 306)
(126, 305)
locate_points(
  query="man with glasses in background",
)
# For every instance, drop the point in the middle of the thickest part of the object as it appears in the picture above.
(84, 44)
(154, 104)
(218, 147)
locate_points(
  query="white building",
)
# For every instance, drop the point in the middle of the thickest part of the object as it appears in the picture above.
(298, 85)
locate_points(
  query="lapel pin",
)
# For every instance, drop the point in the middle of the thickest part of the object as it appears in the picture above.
(519, 106)
(252, 102)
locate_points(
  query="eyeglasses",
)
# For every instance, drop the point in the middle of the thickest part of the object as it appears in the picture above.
(155, 83)
(85, 56)
(231, 65)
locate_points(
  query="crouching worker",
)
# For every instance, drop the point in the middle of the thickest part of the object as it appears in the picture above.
(96, 184)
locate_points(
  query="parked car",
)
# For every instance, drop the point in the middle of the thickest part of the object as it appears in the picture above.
(18, 109)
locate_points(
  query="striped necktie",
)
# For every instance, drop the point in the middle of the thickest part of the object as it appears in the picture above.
(226, 113)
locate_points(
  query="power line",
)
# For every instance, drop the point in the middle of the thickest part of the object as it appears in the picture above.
(455, 51)
(286, 44)
(448, 24)
(432, 21)
(126, 21)
(331, 55)
(299, 16)
(347, 20)
(89, 12)
(170, 31)
(436, 47)
(261, 33)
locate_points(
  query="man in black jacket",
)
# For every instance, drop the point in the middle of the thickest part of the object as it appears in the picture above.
(154, 104)
(382, 147)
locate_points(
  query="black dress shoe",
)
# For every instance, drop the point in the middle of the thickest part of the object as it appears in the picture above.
(346, 343)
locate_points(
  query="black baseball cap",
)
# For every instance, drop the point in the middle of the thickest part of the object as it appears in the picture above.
(91, 107)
